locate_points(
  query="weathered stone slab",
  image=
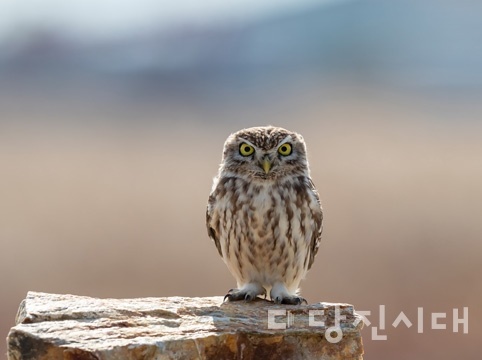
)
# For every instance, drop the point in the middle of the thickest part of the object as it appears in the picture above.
(75, 327)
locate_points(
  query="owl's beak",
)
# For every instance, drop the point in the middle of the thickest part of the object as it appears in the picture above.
(266, 164)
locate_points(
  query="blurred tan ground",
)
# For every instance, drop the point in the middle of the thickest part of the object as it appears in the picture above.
(114, 211)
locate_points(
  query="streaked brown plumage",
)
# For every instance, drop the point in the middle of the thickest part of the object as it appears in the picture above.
(264, 213)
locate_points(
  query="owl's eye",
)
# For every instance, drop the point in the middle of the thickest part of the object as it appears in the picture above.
(245, 149)
(285, 149)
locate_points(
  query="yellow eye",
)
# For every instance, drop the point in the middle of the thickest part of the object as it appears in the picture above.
(285, 149)
(245, 149)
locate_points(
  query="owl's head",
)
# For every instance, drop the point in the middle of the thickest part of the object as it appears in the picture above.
(265, 153)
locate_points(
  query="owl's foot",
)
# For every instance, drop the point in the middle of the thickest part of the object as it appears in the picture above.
(280, 295)
(290, 300)
(248, 292)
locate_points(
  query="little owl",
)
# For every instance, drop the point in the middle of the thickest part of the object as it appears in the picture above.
(264, 214)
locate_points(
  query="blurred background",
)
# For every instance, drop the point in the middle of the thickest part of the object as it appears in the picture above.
(113, 115)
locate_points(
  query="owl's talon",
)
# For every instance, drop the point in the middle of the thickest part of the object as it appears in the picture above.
(236, 295)
(294, 300)
(246, 294)
(233, 295)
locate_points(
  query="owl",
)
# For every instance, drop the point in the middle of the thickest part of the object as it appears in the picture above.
(264, 214)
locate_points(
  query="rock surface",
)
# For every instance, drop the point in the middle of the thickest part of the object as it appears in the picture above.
(75, 327)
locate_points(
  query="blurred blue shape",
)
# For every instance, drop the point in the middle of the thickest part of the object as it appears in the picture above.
(407, 44)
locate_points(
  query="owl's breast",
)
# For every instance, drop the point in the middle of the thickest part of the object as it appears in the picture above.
(265, 213)
(264, 229)
(261, 213)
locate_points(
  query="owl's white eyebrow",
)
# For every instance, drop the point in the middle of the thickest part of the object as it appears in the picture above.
(285, 140)
(247, 142)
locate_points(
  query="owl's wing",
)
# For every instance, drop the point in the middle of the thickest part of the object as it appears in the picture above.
(211, 231)
(318, 225)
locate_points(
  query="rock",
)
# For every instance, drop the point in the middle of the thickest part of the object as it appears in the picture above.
(52, 326)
